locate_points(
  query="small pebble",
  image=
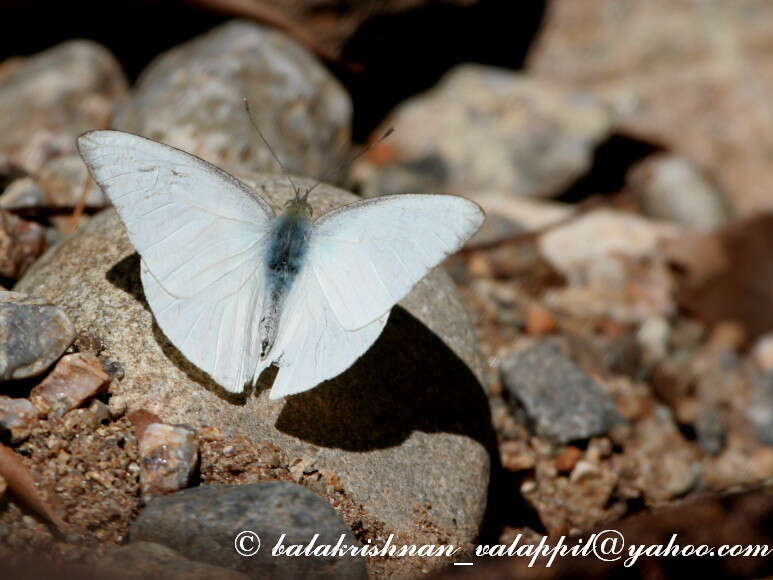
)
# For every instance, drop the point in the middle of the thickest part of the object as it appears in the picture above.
(80, 420)
(168, 456)
(568, 458)
(728, 334)
(76, 378)
(22, 193)
(516, 455)
(540, 321)
(699, 204)
(762, 353)
(209, 434)
(100, 410)
(33, 334)
(17, 416)
(21, 242)
(117, 406)
(562, 402)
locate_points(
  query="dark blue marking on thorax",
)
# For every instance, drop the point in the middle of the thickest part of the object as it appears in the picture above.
(287, 248)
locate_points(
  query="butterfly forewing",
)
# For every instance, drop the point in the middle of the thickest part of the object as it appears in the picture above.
(191, 222)
(201, 235)
(368, 255)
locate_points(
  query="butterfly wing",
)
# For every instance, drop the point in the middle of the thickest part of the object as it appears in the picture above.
(368, 255)
(363, 258)
(215, 331)
(201, 234)
(313, 345)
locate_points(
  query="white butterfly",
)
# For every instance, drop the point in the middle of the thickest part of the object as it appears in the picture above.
(236, 287)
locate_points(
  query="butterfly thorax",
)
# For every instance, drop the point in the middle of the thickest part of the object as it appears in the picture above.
(287, 247)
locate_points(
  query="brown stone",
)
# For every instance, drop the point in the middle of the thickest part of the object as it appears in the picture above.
(568, 458)
(540, 321)
(75, 378)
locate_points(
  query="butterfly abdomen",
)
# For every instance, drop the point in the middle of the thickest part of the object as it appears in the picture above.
(286, 254)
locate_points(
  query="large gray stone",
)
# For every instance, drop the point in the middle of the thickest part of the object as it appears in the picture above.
(142, 560)
(203, 522)
(47, 100)
(406, 428)
(192, 97)
(483, 129)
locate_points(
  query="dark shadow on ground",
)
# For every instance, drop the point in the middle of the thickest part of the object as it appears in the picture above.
(409, 380)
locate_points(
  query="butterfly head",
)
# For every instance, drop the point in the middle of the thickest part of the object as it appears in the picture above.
(298, 206)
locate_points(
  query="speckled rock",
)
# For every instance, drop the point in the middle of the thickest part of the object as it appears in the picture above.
(192, 97)
(168, 455)
(412, 400)
(33, 334)
(562, 402)
(47, 100)
(663, 464)
(203, 523)
(141, 560)
(676, 80)
(671, 188)
(486, 129)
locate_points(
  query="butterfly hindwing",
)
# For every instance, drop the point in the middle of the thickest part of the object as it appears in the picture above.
(313, 346)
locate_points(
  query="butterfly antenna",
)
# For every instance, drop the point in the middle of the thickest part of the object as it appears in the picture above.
(354, 158)
(271, 149)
